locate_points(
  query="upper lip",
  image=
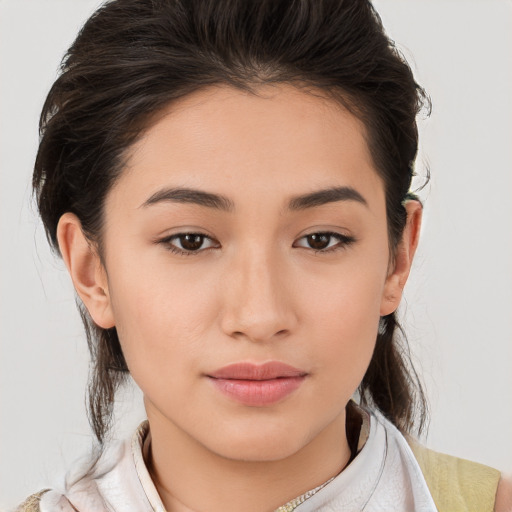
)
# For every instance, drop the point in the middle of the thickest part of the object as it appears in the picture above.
(252, 371)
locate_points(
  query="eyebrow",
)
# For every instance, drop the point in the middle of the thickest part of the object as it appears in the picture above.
(325, 196)
(191, 196)
(219, 202)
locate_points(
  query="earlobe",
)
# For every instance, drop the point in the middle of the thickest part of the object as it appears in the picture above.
(86, 270)
(396, 279)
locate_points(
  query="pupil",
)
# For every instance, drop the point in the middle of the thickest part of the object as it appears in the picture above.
(318, 241)
(191, 242)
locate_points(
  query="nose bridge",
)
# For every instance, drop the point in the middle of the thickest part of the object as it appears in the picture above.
(257, 303)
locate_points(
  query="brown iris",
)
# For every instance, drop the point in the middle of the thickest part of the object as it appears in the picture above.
(191, 242)
(318, 240)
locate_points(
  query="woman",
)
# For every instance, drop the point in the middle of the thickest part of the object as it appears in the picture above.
(228, 185)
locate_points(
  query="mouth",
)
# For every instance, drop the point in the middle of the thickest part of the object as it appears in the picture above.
(257, 384)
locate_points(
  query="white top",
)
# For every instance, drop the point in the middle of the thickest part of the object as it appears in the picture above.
(384, 476)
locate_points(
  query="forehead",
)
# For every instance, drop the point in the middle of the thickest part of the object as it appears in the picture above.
(281, 141)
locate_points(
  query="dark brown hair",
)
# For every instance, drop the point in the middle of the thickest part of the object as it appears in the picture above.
(134, 57)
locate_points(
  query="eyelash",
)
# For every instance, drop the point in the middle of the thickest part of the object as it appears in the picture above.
(343, 242)
(167, 241)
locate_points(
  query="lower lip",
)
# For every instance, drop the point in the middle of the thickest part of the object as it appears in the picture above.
(258, 392)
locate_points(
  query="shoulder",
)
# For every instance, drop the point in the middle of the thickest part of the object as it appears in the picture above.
(457, 484)
(504, 495)
(107, 479)
(78, 490)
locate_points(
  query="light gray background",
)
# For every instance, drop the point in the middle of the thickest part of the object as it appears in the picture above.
(458, 305)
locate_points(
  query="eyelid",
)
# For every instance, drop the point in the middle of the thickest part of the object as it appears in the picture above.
(343, 241)
(167, 242)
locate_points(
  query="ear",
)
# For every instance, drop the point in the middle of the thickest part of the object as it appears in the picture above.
(86, 270)
(397, 277)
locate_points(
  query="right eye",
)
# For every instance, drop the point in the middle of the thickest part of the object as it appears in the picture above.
(189, 243)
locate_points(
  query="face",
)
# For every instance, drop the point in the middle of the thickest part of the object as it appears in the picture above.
(246, 263)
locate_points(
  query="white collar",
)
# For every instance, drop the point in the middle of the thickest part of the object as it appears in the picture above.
(384, 476)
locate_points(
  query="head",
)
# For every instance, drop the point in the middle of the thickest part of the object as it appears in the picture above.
(139, 80)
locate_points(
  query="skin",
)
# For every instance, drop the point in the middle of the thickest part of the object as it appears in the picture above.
(504, 495)
(256, 290)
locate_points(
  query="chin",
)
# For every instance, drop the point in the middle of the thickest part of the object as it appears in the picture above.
(250, 451)
(258, 445)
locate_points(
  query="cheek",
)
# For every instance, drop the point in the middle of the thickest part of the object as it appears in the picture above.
(162, 318)
(344, 319)
(350, 325)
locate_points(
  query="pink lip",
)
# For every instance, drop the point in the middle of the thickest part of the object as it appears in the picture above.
(257, 384)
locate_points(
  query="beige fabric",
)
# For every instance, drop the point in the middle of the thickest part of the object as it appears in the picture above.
(31, 504)
(457, 485)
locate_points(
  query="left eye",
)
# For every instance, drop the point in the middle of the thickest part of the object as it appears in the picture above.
(323, 241)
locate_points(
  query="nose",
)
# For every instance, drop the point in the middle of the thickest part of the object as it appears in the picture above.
(258, 298)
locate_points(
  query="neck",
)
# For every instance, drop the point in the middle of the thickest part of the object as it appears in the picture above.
(190, 477)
